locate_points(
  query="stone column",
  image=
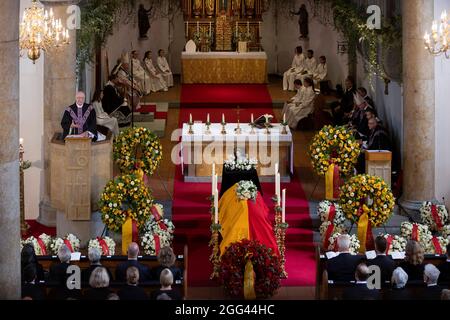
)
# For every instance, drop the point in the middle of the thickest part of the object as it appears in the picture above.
(59, 92)
(418, 105)
(9, 151)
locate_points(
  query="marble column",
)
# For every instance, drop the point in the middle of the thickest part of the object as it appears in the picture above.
(9, 151)
(59, 92)
(418, 106)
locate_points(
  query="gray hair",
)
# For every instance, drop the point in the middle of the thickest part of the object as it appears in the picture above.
(432, 273)
(399, 278)
(64, 253)
(99, 278)
(166, 278)
(94, 255)
(343, 242)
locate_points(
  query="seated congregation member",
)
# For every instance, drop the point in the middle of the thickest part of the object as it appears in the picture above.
(132, 291)
(445, 268)
(94, 255)
(80, 118)
(360, 291)
(343, 108)
(139, 73)
(413, 263)
(303, 108)
(103, 119)
(358, 120)
(29, 287)
(164, 68)
(445, 295)
(167, 259)
(99, 285)
(166, 280)
(363, 93)
(121, 270)
(295, 99)
(398, 290)
(384, 262)
(342, 267)
(28, 257)
(114, 104)
(58, 271)
(157, 82)
(296, 69)
(432, 291)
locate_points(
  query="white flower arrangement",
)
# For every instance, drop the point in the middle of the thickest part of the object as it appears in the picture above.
(430, 249)
(398, 243)
(58, 242)
(154, 227)
(324, 227)
(446, 231)
(95, 243)
(246, 190)
(149, 245)
(46, 240)
(242, 164)
(354, 243)
(427, 216)
(323, 211)
(424, 233)
(160, 215)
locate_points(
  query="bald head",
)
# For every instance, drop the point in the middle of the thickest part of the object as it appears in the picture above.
(133, 250)
(80, 98)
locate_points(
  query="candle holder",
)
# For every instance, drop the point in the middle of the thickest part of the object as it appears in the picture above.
(267, 125)
(191, 131)
(208, 131)
(224, 131)
(252, 125)
(214, 258)
(280, 236)
(238, 129)
(284, 124)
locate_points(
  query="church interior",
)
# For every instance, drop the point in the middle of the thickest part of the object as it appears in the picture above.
(224, 150)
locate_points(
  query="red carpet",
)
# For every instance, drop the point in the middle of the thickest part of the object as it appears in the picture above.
(190, 211)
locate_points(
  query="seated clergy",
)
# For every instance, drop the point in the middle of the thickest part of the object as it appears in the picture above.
(360, 291)
(321, 71)
(103, 119)
(80, 119)
(445, 268)
(296, 69)
(139, 73)
(114, 104)
(342, 267)
(384, 262)
(157, 82)
(295, 99)
(164, 68)
(121, 270)
(130, 87)
(305, 107)
(430, 277)
(310, 63)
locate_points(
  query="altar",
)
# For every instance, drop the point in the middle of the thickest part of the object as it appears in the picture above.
(200, 149)
(224, 67)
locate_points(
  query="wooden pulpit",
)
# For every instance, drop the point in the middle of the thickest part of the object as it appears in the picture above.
(379, 163)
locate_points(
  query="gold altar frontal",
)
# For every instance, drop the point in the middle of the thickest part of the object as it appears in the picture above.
(224, 67)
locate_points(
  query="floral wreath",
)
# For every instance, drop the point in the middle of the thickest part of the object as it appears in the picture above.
(328, 209)
(334, 145)
(151, 242)
(71, 241)
(266, 266)
(417, 232)
(246, 190)
(446, 231)
(240, 164)
(435, 216)
(125, 150)
(124, 197)
(365, 194)
(395, 243)
(354, 243)
(106, 245)
(437, 245)
(41, 244)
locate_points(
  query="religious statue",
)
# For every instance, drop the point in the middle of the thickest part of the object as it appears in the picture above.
(198, 6)
(302, 21)
(209, 6)
(236, 7)
(249, 7)
(143, 21)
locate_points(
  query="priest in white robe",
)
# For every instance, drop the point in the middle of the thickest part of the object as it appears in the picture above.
(130, 87)
(104, 119)
(139, 73)
(303, 108)
(321, 71)
(297, 67)
(310, 66)
(295, 99)
(164, 68)
(157, 82)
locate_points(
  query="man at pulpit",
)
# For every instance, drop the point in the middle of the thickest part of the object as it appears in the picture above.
(80, 119)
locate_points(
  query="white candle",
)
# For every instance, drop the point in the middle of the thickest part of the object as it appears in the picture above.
(278, 188)
(284, 118)
(216, 181)
(223, 118)
(21, 140)
(276, 168)
(190, 118)
(213, 176)
(252, 119)
(207, 118)
(283, 208)
(216, 207)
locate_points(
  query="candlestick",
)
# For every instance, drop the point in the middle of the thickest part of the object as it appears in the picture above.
(213, 176)
(277, 186)
(216, 207)
(251, 121)
(223, 118)
(283, 208)
(276, 168)
(190, 118)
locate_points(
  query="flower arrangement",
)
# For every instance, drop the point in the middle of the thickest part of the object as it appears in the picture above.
(126, 196)
(266, 266)
(395, 243)
(105, 244)
(241, 164)
(126, 155)
(334, 145)
(327, 208)
(365, 194)
(435, 216)
(446, 231)
(417, 232)
(163, 227)
(152, 242)
(71, 241)
(324, 227)
(41, 244)
(246, 190)
(437, 245)
(354, 243)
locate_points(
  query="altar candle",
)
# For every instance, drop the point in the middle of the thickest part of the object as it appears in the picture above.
(213, 176)
(223, 118)
(252, 119)
(284, 117)
(216, 206)
(276, 168)
(283, 207)
(216, 181)
(21, 141)
(277, 187)
(207, 118)
(190, 117)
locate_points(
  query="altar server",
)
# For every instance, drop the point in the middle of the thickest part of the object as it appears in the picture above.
(164, 68)
(303, 108)
(296, 69)
(310, 63)
(157, 82)
(295, 99)
(321, 71)
(139, 73)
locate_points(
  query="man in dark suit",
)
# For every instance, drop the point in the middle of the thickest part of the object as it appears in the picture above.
(431, 276)
(444, 268)
(29, 287)
(360, 291)
(80, 118)
(342, 110)
(131, 291)
(342, 267)
(121, 270)
(363, 93)
(384, 262)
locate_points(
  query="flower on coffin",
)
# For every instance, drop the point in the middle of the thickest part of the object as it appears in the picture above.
(246, 190)
(398, 243)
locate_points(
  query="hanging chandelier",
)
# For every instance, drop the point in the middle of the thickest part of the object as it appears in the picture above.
(437, 42)
(40, 31)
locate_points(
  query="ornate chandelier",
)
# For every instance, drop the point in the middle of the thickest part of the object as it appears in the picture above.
(40, 30)
(437, 42)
